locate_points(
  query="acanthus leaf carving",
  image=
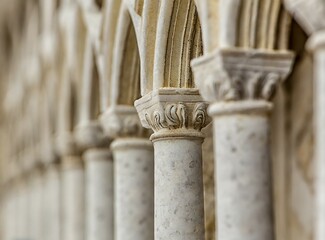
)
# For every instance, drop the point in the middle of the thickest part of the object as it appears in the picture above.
(123, 121)
(237, 75)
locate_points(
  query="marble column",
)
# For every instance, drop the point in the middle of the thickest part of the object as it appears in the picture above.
(53, 204)
(97, 157)
(73, 198)
(133, 189)
(72, 186)
(13, 213)
(176, 116)
(317, 44)
(99, 194)
(133, 174)
(36, 201)
(240, 85)
(23, 228)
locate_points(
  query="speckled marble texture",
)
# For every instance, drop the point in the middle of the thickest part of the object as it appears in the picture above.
(134, 189)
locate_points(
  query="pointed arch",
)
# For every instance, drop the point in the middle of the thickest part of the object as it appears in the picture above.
(178, 41)
(73, 34)
(253, 24)
(208, 11)
(148, 46)
(90, 96)
(125, 78)
(112, 10)
(263, 25)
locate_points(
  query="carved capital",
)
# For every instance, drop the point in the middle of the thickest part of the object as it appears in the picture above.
(90, 135)
(65, 144)
(177, 110)
(234, 75)
(316, 41)
(123, 121)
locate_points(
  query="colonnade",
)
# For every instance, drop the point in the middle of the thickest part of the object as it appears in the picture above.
(105, 109)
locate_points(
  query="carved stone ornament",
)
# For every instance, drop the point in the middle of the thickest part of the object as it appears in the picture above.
(90, 135)
(233, 75)
(123, 121)
(168, 109)
(66, 144)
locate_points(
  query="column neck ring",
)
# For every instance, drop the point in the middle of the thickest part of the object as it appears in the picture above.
(177, 134)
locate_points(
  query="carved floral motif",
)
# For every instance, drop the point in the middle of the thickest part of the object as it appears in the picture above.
(160, 114)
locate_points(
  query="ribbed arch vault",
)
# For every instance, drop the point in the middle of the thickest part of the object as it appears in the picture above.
(125, 79)
(178, 41)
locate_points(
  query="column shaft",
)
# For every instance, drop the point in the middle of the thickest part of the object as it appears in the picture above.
(36, 201)
(53, 203)
(134, 190)
(179, 205)
(320, 141)
(99, 194)
(243, 182)
(73, 198)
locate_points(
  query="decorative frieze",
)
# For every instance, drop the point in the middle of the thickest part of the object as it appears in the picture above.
(233, 75)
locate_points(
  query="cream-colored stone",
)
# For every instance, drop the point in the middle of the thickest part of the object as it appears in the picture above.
(71, 70)
(176, 116)
(240, 84)
(318, 45)
(73, 199)
(52, 203)
(99, 194)
(134, 189)
(243, 170)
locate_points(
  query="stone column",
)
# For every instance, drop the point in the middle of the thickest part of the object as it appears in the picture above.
(98, 161)
(317, 44)
(23, 207)
(13, 210)
(36, 201)
(133, 174)
(240, 85)
(73, 198)
(176, 116)
(99, 195)
(73, 186)
(52, 190)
